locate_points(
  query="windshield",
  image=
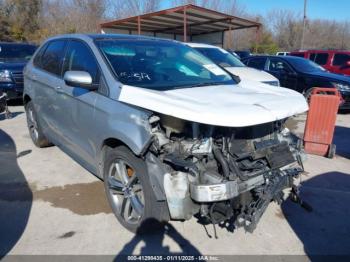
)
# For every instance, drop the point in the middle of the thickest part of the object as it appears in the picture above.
(160, 65)
(13, 52)
(220, 57)
(305, 65)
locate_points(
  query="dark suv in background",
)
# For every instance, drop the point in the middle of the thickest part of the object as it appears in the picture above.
(301, 75)
(13, 58)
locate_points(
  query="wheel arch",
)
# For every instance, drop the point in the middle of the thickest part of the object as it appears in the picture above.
(154, 169)
(110, 142)
(26, 99)
(113, 142)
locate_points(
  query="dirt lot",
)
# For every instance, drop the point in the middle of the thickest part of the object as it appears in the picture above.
(50, 205)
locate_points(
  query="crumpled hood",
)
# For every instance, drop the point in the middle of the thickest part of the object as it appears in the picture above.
(251, 74)
(245, 104)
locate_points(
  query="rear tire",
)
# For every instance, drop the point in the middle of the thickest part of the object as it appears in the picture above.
(130, 193)
(35, 131)
(307, 94)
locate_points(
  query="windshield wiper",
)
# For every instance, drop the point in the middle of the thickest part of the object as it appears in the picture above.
(234, 77)
(207, 84)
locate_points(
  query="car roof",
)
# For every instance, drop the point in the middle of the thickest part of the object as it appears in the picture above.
(287, 57)
(109, 36)
(201, 45)
(321, 51)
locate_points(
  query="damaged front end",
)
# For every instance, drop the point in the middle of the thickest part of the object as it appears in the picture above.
(222, 173)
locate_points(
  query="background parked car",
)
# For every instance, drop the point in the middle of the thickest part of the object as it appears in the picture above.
(242, 53)
(225, 59)
(336, 61)
(301, 74)
(13, 58)
(233, 53)
(282, 53)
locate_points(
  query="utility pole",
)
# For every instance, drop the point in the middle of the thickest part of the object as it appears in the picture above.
(304, 25)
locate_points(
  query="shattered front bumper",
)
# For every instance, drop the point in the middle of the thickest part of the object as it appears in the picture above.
(230, 189)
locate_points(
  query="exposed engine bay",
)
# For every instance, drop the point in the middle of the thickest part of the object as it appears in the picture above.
(224, 173)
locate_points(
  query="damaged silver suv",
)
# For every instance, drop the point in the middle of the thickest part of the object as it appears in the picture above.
(171, 134)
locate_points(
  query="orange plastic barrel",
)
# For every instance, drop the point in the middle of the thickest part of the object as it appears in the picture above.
(320, 122)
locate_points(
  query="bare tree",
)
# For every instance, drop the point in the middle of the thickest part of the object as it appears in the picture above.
(233, 7)
(132, 7)
(19, 18)
(286, 27)
(70, 16)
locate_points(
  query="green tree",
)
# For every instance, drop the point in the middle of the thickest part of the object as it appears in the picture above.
(266, 44)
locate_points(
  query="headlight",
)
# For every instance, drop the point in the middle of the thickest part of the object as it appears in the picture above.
(5, 76)
(341, 87)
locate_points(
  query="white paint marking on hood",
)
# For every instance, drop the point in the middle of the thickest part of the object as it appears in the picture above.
(246, 104)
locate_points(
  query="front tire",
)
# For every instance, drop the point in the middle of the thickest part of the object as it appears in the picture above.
(130, 193)
(35, 131)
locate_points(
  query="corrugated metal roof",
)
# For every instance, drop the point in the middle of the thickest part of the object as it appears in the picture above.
(199, 20)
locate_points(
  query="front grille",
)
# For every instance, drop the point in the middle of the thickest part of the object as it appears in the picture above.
(18, 77)
(273, 83)
(346, 101)
(346, 105)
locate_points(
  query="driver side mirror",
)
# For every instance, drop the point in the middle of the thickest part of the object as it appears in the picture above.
(80, 79)
(347, 63)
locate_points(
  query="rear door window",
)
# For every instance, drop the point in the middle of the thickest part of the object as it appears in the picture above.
(38, 56)
(321, 58)
(258, 63)
(52, 58)
(340, 59)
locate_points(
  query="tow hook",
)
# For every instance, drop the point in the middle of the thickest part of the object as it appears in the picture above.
(295, 197)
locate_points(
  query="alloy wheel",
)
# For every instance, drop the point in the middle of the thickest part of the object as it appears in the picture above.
(33, 125)
(125, 191)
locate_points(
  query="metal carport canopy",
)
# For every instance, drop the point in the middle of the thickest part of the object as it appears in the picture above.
(187, 21)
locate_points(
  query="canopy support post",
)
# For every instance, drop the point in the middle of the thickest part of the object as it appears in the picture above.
(185, 25)
(139, 25)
